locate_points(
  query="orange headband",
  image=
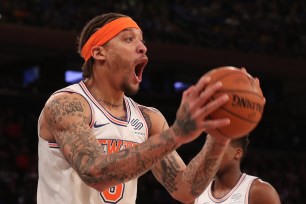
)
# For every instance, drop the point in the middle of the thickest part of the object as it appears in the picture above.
(107, 32)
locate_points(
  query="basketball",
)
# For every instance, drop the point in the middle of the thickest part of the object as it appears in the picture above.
(246, 101)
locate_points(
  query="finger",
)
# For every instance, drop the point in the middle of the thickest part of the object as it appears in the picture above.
(188, 92)
(214, 105)
(201, 84)
(255, 78)
(213, 124)
(245, 71)
(257, 81)
(207, 94)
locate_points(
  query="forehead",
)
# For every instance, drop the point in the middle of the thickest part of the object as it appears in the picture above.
(131, 30)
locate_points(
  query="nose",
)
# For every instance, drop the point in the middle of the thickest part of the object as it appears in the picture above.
(141, 48)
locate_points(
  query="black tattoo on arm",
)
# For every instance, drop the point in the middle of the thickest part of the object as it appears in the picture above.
(184, 124)
(69, 120)
(147, 118)
(169, 170)
(72, 132)
(203, 167)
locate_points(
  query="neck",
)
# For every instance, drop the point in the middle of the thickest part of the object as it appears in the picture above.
(222, 185)
(110, 104)
(104, 93)
(227, 180)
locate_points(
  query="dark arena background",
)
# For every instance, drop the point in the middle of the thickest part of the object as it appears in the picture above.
(185, 39)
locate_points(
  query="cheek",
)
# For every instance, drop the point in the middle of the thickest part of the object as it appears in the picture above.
(224, 159)
(121, 61)
(114, 63)
(228, 156)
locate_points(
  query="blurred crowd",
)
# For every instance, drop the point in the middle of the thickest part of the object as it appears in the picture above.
(275, 27)
(18, 155)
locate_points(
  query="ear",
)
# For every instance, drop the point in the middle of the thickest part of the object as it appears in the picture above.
(239, 153)
(98, 52)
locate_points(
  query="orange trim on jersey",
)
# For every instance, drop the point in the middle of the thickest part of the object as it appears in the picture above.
(105, 33)
(53, 145)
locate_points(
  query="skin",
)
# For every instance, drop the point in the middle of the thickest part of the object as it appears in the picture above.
(66, 116)
(229, 173)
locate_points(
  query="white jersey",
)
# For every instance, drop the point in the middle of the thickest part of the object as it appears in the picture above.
(238, 195)
(59, 184)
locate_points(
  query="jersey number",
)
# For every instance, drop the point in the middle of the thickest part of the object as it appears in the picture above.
(114, 194)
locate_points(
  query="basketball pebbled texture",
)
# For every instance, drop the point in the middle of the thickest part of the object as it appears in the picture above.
(246, 101)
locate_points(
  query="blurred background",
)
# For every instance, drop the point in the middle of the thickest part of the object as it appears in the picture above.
(185, 39)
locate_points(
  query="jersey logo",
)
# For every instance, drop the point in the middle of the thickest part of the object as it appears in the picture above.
(137, 124)
(236, 197)
(99, 125)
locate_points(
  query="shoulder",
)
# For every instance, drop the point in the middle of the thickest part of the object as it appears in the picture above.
(65, 98)
(154, 118)
(62, 110)
(264, 193)
(65, 103)
(149, 110)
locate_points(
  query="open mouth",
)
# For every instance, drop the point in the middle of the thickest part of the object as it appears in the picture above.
(139, 69)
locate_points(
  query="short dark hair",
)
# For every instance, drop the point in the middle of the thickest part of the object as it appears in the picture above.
(89, 29)
(242, 142)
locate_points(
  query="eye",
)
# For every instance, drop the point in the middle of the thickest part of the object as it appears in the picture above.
(129, 39)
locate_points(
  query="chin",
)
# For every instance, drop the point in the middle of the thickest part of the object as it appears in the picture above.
(131, 91)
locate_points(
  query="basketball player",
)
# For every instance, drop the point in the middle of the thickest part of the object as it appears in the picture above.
(94, 141)
(232, 186)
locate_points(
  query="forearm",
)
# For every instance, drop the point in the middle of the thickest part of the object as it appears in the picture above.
(109, 170)
(200, 170)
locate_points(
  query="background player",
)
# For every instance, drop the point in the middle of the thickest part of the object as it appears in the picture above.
(230, 185)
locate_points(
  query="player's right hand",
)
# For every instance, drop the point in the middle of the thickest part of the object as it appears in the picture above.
(191, 117)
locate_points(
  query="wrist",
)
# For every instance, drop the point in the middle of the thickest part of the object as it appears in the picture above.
(174, 134)
(218, 142)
